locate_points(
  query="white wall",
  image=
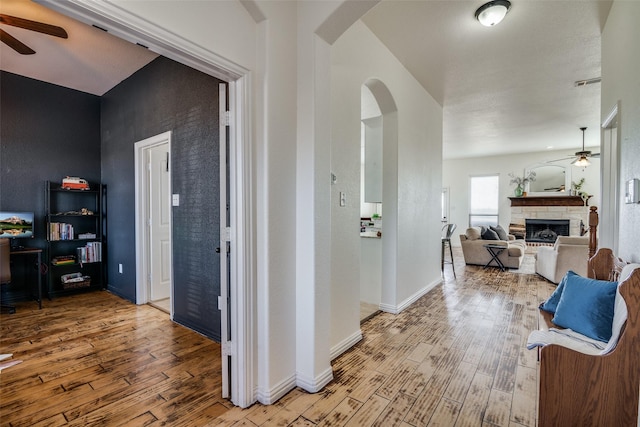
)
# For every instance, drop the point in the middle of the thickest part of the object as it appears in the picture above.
(415, 167)
(620, 65)
(275, 146)
(223, 27)
(456, 173)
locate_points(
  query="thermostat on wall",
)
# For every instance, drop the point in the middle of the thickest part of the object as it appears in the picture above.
(633, 191)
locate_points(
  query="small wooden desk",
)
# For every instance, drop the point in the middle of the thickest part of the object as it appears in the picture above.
(38, 253)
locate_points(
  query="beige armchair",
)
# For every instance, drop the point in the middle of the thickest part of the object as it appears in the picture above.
(568, 253)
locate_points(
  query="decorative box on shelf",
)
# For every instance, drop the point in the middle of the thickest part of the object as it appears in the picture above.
(75, 280)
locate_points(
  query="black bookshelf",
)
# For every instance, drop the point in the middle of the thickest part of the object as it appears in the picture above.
(76, 244)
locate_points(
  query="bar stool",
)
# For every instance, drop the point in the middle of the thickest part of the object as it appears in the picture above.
(447, 232)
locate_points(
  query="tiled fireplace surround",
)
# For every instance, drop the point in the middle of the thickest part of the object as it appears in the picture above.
(541, 208)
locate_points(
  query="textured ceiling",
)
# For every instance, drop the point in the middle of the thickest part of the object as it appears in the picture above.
(90, 60)
(508, 88)
(505, 89)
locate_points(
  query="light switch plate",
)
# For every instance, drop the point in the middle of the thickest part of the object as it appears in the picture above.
(175, 200)
(632, 194)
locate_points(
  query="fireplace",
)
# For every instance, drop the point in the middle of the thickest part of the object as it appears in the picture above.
(546, 230)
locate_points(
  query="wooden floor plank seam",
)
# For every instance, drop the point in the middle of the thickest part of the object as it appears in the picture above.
(455, 357)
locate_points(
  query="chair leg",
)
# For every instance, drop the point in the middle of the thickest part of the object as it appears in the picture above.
(442, 257)
(451, 253)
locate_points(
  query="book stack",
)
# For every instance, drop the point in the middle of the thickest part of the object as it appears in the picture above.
(64, 260)
(91, 252)
(60, 231)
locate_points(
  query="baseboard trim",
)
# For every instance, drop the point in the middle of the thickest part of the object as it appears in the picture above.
(397, 309)
(345, 345)
(268, 397)
(314, 385)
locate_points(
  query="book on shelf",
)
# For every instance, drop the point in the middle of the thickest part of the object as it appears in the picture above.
(60, 231)
(91, 252)
(63, 260)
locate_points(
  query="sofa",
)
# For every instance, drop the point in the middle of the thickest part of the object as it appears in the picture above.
(474, 252)
(567, 253)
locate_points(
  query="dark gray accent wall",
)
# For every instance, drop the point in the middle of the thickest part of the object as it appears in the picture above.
(167, 96)
(46, 133)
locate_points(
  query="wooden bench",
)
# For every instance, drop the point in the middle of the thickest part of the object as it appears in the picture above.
(604, 265)
(578, 389)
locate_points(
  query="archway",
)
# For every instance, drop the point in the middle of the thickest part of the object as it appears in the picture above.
(389, 114)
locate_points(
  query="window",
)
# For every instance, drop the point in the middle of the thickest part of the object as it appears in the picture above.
(483, 207)
(445, 205)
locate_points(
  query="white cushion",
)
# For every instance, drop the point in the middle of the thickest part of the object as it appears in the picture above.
(620, 312)
(578, 342)
(473, 233)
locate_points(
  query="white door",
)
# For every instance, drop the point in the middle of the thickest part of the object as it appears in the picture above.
(225, 246)
(159, 215)
(154, 280)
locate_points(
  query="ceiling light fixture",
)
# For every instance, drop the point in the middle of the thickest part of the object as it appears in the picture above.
(490, 14)
(582, 160)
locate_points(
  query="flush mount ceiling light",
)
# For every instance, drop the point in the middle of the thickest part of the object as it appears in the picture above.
(490, 14)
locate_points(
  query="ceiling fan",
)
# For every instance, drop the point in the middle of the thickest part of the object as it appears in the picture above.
(27, 24)
(581, 157)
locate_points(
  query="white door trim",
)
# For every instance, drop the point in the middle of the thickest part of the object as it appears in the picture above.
(224, 243)
(128, 26)
(608, 231)
(141, 214)
(243, 276)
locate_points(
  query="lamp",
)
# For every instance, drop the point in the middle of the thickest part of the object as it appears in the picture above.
(582, 162)
(583, 156)
(490, 14)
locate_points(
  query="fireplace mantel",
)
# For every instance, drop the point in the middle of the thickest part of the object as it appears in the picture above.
(548, 201)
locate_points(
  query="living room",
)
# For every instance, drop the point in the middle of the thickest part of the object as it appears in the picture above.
(457, 184)
(283, 249)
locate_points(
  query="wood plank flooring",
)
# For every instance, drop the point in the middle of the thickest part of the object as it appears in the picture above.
(95, 359)
(454, 358)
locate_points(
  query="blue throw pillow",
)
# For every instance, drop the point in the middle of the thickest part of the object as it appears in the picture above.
(586, 306)
(551, 304)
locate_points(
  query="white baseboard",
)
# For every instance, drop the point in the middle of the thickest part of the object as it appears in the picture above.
(397, 309)
(314, 385)
(345, 345)
(267, 397)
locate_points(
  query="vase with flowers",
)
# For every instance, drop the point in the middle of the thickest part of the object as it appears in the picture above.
(521, 181)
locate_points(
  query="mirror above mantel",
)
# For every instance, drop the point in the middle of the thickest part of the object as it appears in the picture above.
(551, 180)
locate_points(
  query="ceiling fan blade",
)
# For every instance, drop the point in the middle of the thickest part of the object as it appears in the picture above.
(39, 27)
(560, 160)
(596, 155)
(15, 44)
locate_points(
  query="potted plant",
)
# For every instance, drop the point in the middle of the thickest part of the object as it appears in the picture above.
(521, 182)
(576, 189)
